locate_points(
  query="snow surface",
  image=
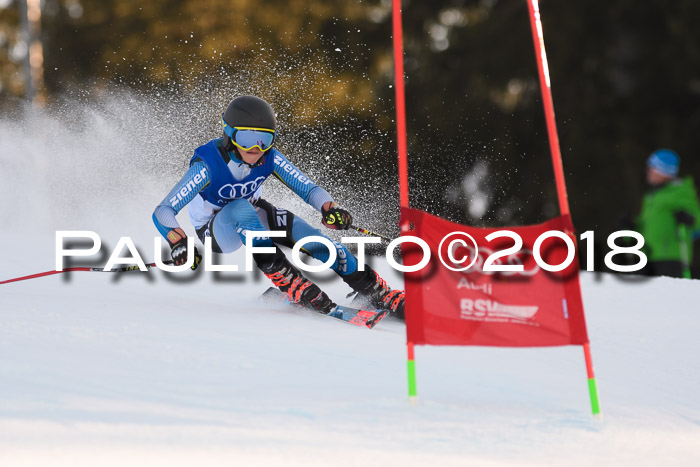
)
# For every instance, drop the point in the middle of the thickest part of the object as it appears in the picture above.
(140, 369)
(160, 370)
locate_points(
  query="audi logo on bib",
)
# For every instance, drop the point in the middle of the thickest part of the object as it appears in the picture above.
(240, 190)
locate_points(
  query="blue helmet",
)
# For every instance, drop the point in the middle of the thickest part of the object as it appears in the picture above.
(664, 161)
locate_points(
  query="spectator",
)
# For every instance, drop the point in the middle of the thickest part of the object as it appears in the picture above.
(669, 217)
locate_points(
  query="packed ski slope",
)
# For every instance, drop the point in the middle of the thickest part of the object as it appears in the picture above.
(139, 369)
(149, 369)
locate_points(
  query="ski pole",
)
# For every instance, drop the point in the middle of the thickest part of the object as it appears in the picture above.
(49, 273)
(369, 232)
(685, 254)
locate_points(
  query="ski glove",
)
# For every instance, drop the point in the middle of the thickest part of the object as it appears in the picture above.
(336, 218)
(683, 217)
(178, 249)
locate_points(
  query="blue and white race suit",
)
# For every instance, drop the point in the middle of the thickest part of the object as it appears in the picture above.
(224, 198)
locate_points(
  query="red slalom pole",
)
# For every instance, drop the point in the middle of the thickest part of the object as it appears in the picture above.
(546, 89)
(400, 103)
(50, 273)
(42, 274)
(547, 101)
(592, 385)
(411, 366)
(403, 156)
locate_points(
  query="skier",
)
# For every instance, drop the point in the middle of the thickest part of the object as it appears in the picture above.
(223, 188)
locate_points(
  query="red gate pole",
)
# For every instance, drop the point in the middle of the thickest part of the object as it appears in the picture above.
(546, 89)
(402, 154)
(400, 103)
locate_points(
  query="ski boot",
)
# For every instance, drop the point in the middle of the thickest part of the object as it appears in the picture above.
(375, 291)
(289, 280)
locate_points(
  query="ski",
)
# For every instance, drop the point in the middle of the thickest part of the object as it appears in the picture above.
(358, 317)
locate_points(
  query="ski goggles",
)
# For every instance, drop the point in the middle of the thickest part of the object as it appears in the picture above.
(248, 138)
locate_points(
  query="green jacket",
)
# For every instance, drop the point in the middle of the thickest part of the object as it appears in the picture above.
(658, 225)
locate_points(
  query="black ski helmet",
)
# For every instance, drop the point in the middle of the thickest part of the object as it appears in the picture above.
(250, 112)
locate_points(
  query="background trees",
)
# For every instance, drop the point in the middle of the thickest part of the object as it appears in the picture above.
(625, 77)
